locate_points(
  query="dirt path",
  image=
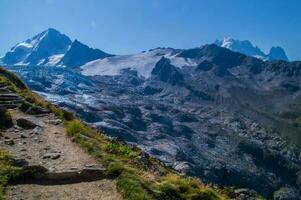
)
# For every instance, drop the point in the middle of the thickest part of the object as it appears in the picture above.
(97, 190)
(48, 145)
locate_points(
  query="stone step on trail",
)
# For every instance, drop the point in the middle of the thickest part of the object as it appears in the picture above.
(5, 90)
(43, 176)
(9, 106)
(15, 101)
(9, 95)
(9, 99)
(3, 85)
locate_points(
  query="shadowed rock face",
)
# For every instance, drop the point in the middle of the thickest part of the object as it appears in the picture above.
(277, 53)
(230, 119)
(167, 72)
(79, 54)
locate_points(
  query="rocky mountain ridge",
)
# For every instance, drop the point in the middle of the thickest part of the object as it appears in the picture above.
(247, 48)
(51, 48)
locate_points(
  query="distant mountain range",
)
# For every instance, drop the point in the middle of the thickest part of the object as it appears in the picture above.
(247, 48)
(51, 48)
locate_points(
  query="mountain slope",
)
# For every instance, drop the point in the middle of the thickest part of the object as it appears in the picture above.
(209, 112)
(247, 48)
(51, 48)
(221, 115)
(79, 54)
(44, 48)
(56, 156)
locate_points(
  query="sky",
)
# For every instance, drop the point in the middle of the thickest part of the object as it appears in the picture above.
(131, 26)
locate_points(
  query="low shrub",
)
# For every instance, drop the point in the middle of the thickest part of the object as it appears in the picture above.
(7, 171)
(174, 186)
(12, 78)
(5, 119)
(132, 188)
(118, 149)
(74, 128)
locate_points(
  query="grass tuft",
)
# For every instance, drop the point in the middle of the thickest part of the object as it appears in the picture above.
(132, 187)
(5, 119)
(120, 150)
(7, 171)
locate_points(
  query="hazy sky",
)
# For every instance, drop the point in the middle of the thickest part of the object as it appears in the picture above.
(129, 26)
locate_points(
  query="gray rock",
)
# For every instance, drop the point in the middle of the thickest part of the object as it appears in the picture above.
(23, 135)
(52, 155)
(9, 142)
(26, 123)
(37, 130)
(54, 121)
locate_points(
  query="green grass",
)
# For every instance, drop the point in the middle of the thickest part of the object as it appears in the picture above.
(7, 171)
(5, 119)
(121, 150)
(175, 187)
(129, 184)
(14, 79)
(133, 180)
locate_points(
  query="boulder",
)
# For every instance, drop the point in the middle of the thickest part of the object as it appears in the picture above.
(20, 162)
(31, 109)
(26, 123)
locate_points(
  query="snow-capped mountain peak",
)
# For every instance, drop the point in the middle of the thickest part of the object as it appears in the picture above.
(241, 46)
(50, 48)
(79, 54)
(247, 48)
(38, 50)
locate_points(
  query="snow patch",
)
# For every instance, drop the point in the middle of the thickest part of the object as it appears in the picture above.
(143, 63)
(24, 45)
(55, 59)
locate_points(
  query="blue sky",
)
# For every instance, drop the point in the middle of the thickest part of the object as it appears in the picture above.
(129, 26)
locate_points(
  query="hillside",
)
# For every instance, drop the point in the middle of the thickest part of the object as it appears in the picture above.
(78, 160)
(227, 118)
